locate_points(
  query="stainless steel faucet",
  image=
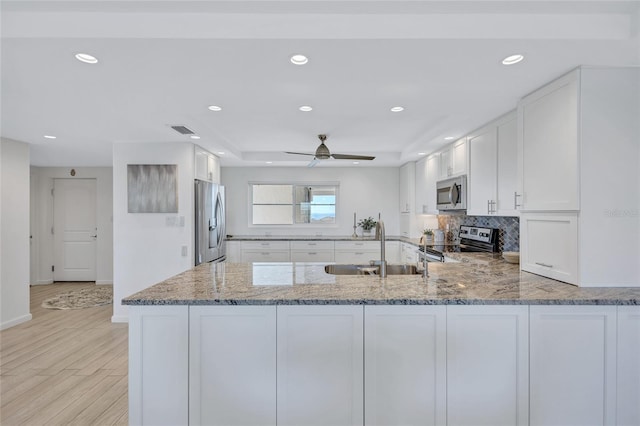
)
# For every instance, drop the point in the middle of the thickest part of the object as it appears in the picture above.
(383, 240)
(425, 262)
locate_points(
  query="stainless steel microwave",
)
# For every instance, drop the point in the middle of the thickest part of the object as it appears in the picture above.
(452, 193)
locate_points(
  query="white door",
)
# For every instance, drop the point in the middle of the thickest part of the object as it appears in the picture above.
(75, 232)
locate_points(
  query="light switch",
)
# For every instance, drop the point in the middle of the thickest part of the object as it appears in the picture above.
(185, 251)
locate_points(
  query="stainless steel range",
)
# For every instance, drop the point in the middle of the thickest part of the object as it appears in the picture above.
(472, 239)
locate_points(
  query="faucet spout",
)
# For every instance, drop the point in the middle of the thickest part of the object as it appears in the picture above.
(383, 240)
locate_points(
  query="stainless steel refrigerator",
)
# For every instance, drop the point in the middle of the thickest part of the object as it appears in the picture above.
(210, 228)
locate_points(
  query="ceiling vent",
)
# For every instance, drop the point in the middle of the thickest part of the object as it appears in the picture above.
(183, 130)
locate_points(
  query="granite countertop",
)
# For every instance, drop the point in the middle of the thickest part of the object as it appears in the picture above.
(478, 280)
(414, 241)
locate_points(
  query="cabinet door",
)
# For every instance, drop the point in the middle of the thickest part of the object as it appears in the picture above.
(572, 365)
(549, 245)
(548, 146)
(628, 392)
(266, 256)
(356, 257)
(201, 164)
(312, 255)
(405, 368)
(481, 196)
(392, 251)
(507, 168)
(445, 163)
(407, 187)
(232, 355)
(459, 157)
(158, 365)
(234, 251)
(487, 360)
(213, 168)
(426, 178)
(320, 365)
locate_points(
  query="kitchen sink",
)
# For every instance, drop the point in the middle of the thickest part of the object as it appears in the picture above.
(370, 270)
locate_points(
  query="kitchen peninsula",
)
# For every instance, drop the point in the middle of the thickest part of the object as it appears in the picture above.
(475, 342)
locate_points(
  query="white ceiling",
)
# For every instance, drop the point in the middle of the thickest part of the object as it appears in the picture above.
(163, 62)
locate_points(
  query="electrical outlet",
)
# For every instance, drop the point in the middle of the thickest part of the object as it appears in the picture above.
(185, 251)
(170, 221)
(181, 221)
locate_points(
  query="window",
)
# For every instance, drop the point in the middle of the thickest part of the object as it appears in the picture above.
(289, 204)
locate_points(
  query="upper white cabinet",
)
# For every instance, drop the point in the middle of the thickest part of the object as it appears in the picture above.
(407, 187)
(426, 178)
(207, 165)
(493, 178)
(548, 123)
(453, 159)
(578, 152)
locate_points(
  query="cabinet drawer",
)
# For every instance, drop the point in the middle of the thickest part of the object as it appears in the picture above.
(549, 246)
(357, 245)
(262, 245)
(358, 257)
(312, 256)
(311, 245)
(265, 256)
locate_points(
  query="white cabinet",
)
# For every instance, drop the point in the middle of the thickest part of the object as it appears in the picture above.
(158, 365)
(358, 252)
(426, 178)
(405, 368)
(408, 253)
(234, 251)
(628, 366)
(549, 245)
(407, 187)
(493, 164)
(487, 365)
(232, 359)
(453, 159)
(392, 251)
(312, 251)
(572, 365)
(320, 365)
(207, 165)
(265, 251)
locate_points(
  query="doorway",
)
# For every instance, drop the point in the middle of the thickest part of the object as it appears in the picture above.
(74, 229)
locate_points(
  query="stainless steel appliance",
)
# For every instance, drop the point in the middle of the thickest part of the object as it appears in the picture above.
(209, 222)
(451, 194)
(472, 239)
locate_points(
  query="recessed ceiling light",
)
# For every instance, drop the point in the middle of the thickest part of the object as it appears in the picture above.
(397, 109)
(449, 138)
(305, 108)
(422, 153)
(268, 162)
(513, 59)
(50, 136)
(356, 162)
(215, 108)
(85, 57)
(221, 152)
(194, 137)
(299, 59)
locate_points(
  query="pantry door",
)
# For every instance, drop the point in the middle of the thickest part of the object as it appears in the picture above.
(74, 229)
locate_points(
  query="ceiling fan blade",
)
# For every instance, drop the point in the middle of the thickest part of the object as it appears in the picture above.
(352, 157)
(299, 153)
(313, 163)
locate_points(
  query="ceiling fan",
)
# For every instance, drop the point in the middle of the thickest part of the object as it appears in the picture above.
(322, 153)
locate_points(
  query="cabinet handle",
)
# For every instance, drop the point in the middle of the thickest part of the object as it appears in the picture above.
(359, 244)
(265, 254)
(359, 254)
(312, 253)
(311, 244)
(515, 200)
(544, 264)
(264, 244)
(488, 206)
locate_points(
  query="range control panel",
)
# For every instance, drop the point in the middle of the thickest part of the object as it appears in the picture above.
(484, 235)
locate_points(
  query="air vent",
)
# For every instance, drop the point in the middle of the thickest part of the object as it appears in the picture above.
(183, 130)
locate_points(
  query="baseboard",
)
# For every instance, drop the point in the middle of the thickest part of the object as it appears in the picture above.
(43, 282)
(104, 282)
(120, 318)
(15, 321)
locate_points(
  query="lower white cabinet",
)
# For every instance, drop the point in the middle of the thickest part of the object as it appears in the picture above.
(358, 252)
(159, 365)
(408, 253)
(312, 251)
(234, 251)
(320, 365)
(232, 359)
(549, 245)
(628, 368)
(487, 365)
(573, 365)
(405, 365)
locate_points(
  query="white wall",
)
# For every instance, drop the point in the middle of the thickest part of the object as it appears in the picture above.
(42, 220)
(366, 191)
(14, 233)
(146, 249)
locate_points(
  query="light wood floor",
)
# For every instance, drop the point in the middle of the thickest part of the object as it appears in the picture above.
(64, 367)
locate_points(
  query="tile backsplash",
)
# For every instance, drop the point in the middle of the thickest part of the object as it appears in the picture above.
(509, 228)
